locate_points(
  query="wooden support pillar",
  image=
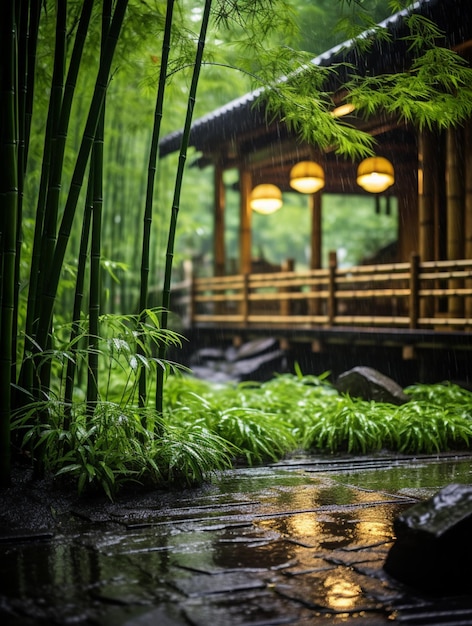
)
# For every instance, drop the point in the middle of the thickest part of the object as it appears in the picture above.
(315, 240)
(468, 208)
(219, 252)
(245, 186)
(414, 301)
(455, 210)
(408, 222)
(315, 243)
(426, 193)
(426, 205)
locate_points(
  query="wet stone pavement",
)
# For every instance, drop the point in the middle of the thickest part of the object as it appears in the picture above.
(301, 542)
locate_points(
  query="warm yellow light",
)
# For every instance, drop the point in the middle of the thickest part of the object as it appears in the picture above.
(343, 109)
(266, 198)
(375, 174)
(307, 177)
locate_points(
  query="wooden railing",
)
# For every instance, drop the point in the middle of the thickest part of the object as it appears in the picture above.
(430, 294)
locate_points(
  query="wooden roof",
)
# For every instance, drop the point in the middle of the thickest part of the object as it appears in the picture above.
(240, 133)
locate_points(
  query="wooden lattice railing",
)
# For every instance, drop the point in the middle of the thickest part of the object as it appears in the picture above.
(429, 294)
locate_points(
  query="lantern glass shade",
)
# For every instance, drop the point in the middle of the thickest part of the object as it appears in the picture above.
(375, 174)
(266, 199)
(307, 177)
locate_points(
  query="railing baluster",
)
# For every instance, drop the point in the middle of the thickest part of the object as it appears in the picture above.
(192, 302)
(245, 299)
(285, 307)
(333, 263)
(414, 290)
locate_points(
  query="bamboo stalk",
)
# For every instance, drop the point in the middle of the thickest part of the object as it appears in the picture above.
(32, 43)
(95, 252)
(8, 225)
(78, 298)
(144, 285)
(28, 24)
(50, 287)
(50, 183)
(62, 104)
(177, 192)
(48, 236)
(39, 245)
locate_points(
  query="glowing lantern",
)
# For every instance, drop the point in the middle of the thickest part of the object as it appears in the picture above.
(375, 174)
(266, 198)
(307, 177)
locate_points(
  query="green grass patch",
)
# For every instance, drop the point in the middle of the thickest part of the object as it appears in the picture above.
(207, 428)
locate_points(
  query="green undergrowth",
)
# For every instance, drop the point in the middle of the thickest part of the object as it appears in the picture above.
(207, 428)
(307, 413)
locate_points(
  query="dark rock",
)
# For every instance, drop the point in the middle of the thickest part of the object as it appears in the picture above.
(369, 384)
(255, 348)
(207, 355)
(253, 360)
(433, 547)
(259, 367)
(215, 375)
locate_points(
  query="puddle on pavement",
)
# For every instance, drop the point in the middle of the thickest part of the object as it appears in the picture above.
(260, 546)
(417, 475)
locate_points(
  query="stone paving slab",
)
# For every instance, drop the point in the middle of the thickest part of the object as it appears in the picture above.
(301, 542)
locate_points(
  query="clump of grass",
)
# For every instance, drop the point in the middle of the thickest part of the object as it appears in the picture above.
(189, 455)
(349, 425)
(112, 448)
(443, 394)
(257, 435)
(421, 426)
(437, 418)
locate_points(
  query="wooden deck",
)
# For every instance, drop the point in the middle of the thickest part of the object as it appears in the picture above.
(428, 295)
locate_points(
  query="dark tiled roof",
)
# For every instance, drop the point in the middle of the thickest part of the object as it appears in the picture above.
(242, 115)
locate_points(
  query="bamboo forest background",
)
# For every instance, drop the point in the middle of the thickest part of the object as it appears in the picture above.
(128, 126)
(89, 227)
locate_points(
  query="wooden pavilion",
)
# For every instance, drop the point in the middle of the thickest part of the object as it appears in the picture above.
(414, 310)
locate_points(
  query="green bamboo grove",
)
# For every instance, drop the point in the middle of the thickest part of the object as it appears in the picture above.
(66, 317)
(87, 230)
